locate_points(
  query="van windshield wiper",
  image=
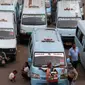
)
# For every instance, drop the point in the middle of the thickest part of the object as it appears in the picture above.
(44, 66)
(1, 37)
(56, 65)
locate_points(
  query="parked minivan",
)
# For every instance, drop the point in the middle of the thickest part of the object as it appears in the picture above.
(46, 46)
(11, 6)
(68, 14)
(8, 33)
(33, 16)
(80, 40)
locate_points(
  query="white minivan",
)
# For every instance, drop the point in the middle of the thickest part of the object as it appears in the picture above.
(68, 14)
(80, 40)
(8, 32)
(11, 6)
(33, 16)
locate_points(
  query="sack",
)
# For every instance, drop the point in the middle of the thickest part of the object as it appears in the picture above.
(3, 62)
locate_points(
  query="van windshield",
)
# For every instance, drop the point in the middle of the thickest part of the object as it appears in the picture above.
(33, 20)
(67, 24)
(6, 33)
(41, 59)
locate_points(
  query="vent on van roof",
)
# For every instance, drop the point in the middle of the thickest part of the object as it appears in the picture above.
(47, 40)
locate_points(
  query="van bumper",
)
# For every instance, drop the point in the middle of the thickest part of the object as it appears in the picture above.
(44, 82)
(38, 81)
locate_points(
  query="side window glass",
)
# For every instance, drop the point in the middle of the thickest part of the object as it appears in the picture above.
(81, 37)
(83, 40)
(14, 18)
(78, 33)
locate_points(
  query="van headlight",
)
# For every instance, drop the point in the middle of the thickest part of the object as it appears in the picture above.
(22, 31)
(34, 75)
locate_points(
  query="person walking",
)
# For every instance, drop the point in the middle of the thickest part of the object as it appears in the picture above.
(12, 76)
(74, 55)
(72, 74)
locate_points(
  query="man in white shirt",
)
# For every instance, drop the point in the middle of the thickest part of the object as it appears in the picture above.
(74, 55)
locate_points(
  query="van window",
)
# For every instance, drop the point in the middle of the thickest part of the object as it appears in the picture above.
(67, 23)
(44, 58)
(77, 30)
(33, 20)
(83, 40)
(7, 33)
(14, 18)
(79, 35)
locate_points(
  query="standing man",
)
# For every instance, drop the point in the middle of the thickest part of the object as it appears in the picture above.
(74, 55)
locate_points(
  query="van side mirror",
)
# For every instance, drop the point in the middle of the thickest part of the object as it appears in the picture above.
(29, 60)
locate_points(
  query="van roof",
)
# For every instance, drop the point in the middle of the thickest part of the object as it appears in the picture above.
(7, 5)
(34, 6)
(81, 25)
(7, 2)
(47, 41)
(69, 9)
(6, 20)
